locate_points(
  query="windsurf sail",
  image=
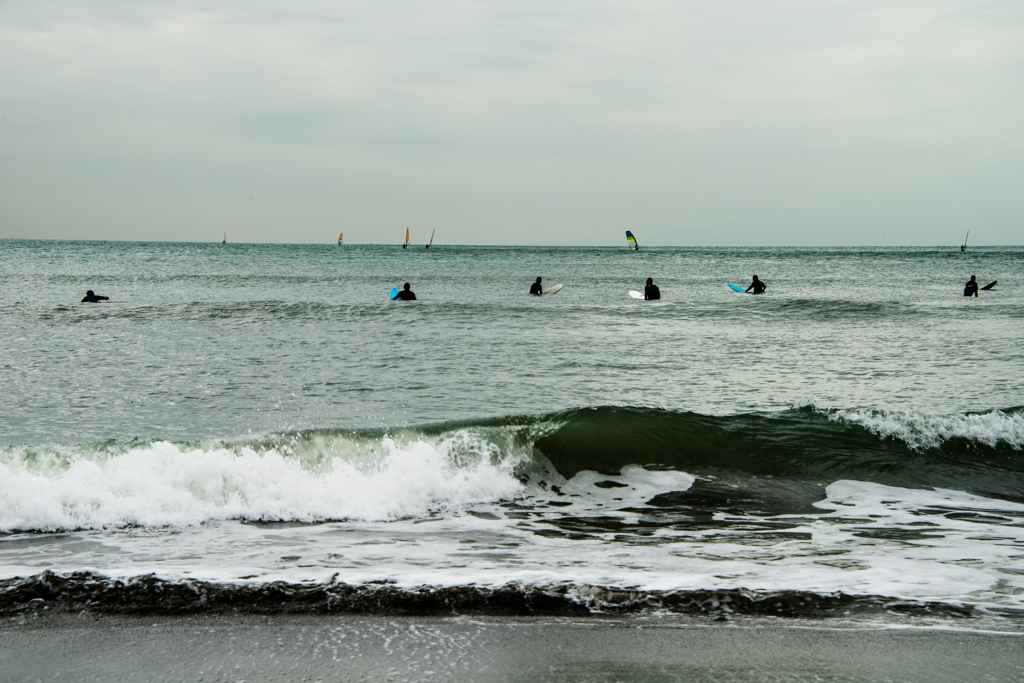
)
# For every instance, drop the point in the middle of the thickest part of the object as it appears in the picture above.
(964, 248)
(431, 238)
(341, 236)
(631, 242)
(406, 239)
(225, 238)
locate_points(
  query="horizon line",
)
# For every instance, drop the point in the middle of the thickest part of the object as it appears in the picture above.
(529, 246)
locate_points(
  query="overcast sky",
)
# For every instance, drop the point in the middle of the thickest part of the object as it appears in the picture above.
(532, 122)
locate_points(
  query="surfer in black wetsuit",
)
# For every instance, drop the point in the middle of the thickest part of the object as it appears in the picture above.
(757, 286)
(535, 288)
(971, 289)
(651, 291)
(405, 295)
(91, 298)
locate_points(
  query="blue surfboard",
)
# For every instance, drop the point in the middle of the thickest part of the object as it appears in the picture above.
(736, 288)
(394, 293)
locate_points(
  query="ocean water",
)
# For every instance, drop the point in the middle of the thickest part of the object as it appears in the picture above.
(258, 425)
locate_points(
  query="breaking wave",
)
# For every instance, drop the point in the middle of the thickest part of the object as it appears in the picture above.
(310, 476)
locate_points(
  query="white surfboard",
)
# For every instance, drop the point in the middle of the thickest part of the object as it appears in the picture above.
(554, 290)
(635, 294)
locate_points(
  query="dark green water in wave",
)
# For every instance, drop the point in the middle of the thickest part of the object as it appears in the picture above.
(795, 446)
(791, 454)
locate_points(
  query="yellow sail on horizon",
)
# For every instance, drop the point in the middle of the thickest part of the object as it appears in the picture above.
(406, 238)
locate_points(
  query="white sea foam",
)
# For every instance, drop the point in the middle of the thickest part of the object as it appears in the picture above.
(167, 484)
(633, 483)
(924, 430)
(869, 539)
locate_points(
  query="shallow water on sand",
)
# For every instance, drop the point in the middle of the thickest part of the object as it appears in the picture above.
(489, 649)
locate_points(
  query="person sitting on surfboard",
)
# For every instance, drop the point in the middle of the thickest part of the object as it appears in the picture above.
(91, 298)
(535, 288)
(651, 291)
(757, 286)
(971, 289)
(405, 295)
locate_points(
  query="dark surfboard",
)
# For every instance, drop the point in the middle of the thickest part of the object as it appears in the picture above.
(990, 285)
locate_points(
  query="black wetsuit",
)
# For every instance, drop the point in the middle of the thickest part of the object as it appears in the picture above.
(94, 299)
(405, 295)
(757, 286)
(971, 289)
(651, 292)
(535, 288)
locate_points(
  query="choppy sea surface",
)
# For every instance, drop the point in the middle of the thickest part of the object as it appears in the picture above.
(259, 427)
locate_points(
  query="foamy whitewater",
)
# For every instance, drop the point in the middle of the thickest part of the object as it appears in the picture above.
(257, 414)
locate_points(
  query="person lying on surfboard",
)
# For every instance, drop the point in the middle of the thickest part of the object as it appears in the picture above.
(91, 298)
(535, 288)
(757, 286)
(405, 295)
(651, 291)
(971, 289)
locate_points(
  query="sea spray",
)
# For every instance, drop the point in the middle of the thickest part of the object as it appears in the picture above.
(923, 430)
(167, 484)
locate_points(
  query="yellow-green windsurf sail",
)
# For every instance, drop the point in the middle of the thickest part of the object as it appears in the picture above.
(631, 241)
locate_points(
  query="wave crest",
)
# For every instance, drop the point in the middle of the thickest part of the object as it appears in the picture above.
(167, 484)
(924, 431)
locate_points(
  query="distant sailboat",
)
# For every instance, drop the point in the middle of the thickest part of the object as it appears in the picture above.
(406, 245)
(225, 238)
(341, 237)
(963, 247)
(631, 242)
(431, 238)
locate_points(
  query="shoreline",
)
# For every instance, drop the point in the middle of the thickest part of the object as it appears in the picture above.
(150, 595)
(463, 649)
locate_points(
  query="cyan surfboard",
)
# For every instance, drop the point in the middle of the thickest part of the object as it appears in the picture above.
(736, 288)
(394, 293)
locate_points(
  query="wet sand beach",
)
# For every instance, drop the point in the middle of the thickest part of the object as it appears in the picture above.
(86, 647)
